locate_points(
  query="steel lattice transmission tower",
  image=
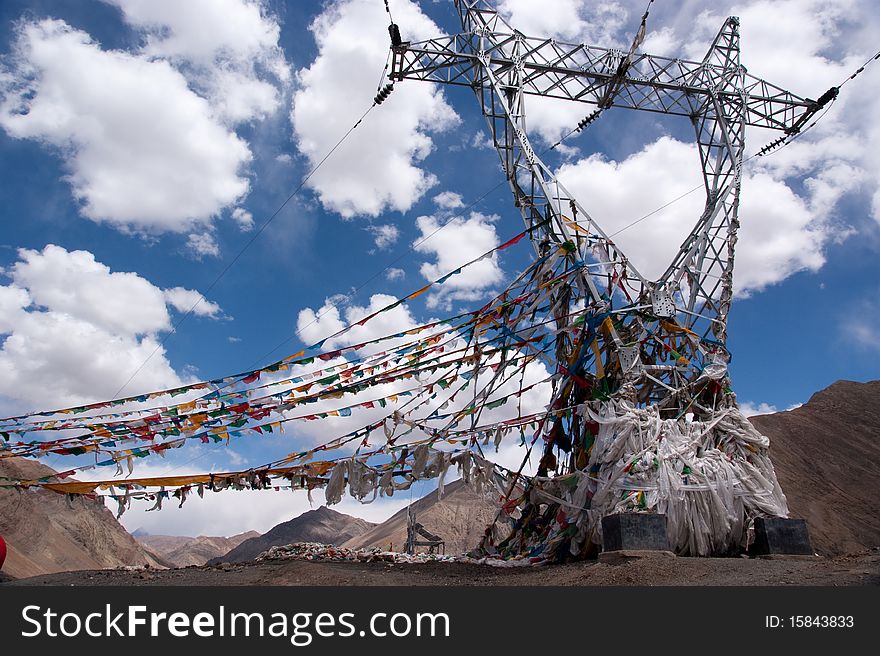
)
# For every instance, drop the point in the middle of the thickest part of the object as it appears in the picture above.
(652, 343)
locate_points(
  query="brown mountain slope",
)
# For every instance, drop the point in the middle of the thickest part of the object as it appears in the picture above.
(183, 551)
(47, 533)
(827, 458)
(321, 525)
(460, 518)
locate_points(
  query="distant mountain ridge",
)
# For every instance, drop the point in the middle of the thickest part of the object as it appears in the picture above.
(183, 551)
(322, 525)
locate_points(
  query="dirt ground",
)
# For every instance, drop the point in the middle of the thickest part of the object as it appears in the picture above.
(852, 569)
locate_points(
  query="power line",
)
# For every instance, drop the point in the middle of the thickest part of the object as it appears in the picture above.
(860, 70)
(652, 213)
(241, 252)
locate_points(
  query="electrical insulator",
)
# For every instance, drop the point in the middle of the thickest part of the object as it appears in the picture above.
(830, 95)
(383, 94)
(587, 120)
(770, 146)
(394, 32)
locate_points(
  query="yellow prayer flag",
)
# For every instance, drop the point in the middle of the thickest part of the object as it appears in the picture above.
(600, 369)
(419, 292)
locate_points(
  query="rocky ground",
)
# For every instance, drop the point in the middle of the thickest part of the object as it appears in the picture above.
(853, 569)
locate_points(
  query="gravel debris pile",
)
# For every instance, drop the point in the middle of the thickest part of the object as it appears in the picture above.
(329, 553)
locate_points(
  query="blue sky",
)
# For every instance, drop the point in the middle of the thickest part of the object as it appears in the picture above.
(143, 145)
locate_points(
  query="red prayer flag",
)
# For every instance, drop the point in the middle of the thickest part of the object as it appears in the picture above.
(510, 243)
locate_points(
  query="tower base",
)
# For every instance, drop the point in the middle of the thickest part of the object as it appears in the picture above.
(777, 536)
(634, 532)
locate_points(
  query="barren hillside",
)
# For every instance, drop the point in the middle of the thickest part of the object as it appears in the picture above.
(460, 517)
(827, 457)
(46, 532)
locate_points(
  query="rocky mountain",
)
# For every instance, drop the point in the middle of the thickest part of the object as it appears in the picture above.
(45, 532)
(183, 551)
(460, 518)
(827, 458)
(321, 525)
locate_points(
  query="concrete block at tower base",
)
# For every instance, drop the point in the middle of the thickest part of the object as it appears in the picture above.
(780, 536)
(634, 532)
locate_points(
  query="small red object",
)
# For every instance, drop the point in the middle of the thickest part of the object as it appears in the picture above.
(2, 551)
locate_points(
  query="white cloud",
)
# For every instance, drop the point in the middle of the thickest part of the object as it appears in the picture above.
(781, 40)
(385, 235)
(865, 334)
(227, 48)
(376, 168)
(189, 300)
(750, 409)
(395, 274)
(781, 233)
(575, 21)
(202, 244)
(235, 458)
(662, 42)
(12, 302)
(336, 313)
(244, 219)
(142, 150)
(448, 200)
(74, 331)
(456, 243)
(76, 285)
(552, 118)
(482, 141)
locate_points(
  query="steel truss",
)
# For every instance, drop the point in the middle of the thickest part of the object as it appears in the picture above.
(628, 317)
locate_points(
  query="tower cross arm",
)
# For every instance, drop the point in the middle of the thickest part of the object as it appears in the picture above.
(601, 76)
